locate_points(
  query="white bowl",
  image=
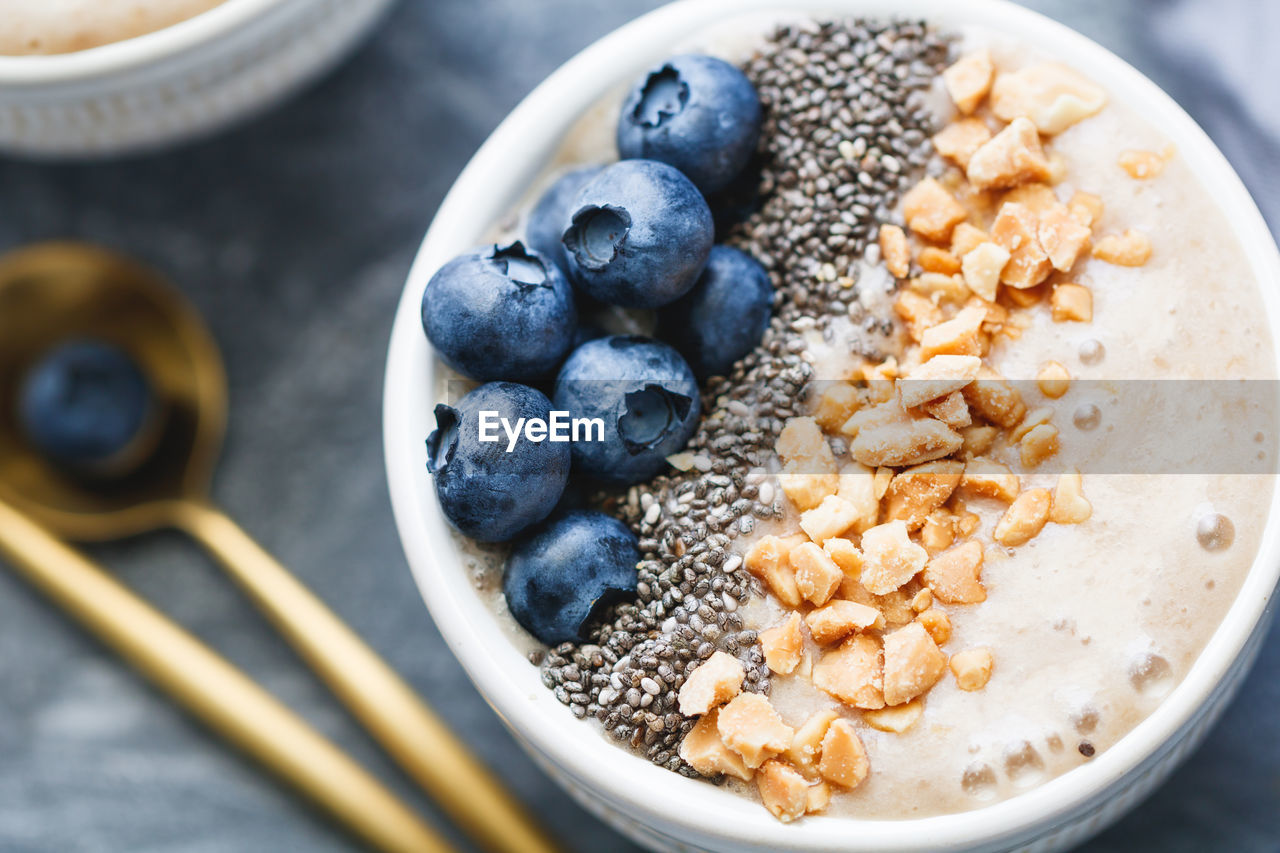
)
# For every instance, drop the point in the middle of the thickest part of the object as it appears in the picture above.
(179, 82)
(661, 809)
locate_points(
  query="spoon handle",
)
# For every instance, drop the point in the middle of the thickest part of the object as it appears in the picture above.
(410, 731)
(212, 689)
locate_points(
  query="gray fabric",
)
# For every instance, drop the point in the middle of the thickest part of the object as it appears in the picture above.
(293, 235)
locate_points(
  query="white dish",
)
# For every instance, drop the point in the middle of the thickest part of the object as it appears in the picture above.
(183, 81)
(651, 805)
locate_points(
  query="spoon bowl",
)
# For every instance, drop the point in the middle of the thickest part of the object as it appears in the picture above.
(54, 292)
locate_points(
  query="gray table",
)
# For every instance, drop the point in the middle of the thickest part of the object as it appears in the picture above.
(293, 234)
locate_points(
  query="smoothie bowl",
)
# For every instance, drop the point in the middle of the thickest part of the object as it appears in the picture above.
(883, 528)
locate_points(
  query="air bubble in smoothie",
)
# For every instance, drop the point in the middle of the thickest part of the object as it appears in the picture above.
(1150, 674)
(1215, 532)
(1087, 417)
(979, 781)
(1092, 351)
(1023, 764)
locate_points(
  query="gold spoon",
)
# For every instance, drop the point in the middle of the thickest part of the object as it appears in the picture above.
(58, 291)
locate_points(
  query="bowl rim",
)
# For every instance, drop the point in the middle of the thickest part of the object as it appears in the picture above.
(649, 794)
(130, 53)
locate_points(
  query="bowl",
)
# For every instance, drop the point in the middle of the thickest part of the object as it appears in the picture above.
(660, 809)
(183, 81)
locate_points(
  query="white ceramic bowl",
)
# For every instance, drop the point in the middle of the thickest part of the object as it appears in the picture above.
(661, 809)
(183, 81)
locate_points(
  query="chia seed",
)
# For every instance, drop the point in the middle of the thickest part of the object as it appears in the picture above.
(845, 133)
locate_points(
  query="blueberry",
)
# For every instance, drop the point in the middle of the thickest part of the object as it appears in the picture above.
(500, 313)
(486, 492)
(639, 235)
(697, 113)
(84, 404)
(562, 576)
(550, 215)
(644, 393)
(724, 316)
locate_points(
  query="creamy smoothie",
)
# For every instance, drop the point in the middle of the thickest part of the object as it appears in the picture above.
(1003, 624)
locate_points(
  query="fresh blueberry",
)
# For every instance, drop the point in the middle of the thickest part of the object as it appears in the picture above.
(500, 313)
(697, 113)
(84, 404)
(724, 316)
(486, 492)
(639, 235)
(562, 576)
(646, 396)
(550, 215)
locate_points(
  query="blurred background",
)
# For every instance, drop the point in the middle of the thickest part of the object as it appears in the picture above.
(293, 235)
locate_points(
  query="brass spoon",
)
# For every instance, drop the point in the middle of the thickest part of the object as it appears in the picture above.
(58, 291)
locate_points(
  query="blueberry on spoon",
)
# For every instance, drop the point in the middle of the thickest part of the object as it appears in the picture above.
(697, 113)
(85, 406)
(561, 577)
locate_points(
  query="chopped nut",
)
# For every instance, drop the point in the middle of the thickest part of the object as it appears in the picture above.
(937, 377)
(1016, 229)
(846, 555)
(1069, 503)
(931, 211)
(982, 267)
(917, 312)
(1051, 95)
(890, 558)
(972, 668)
(830, 518)
(806, 746)
(969, 79)
(939, 288)
(952, 410)
(804, 488)
(1024, 518)
(893, 246)
(1011, 157)
(1086, 208)
(836, 404)
(1039, 198)
(1130, 249)
(1033, 418)
(817, 575)
(1141, 165)
(965, 238)
(713, 682)
(937, 624)
(918, 491)
(1027, 296)
(883, 477)
(705, 752)
(853, 672)
(1071, 302)
(1053, 379)
(819, 797)
(844, 759)
(958, 336)
(895, 718)
(992, 397)
(1038, 444)
(904, 441)
(1062, 237)
(838, 619)
(958, 140)
(912, 663)
(986, 478)
(752, 728)
(783, 645)
(858, 487)
(783, 791)
(801, 440)
(977, 440)
(922, 600)
(770, 560)
(937, 534)
(955, 576)
(940, 261)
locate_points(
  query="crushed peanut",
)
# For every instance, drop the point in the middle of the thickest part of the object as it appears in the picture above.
(935, 260)
(806, 745)
(1142, 165)
(715, 681)
(1038, 444)
(890, 558)
(1050, 95)
(783, 790)
(1069, 503)
(783, 645)
(1071, 303)
(853, 672)
(982, 266)
(937, 624)
(895, 718)
(828, 519)
(1011, 157)
(919, 490)
(931, 211)
(955, 576)
(770, 560)
(844, 759)
(839, 619)
(912, 663)
(1024, 518)
(969, 79)
(893, 247)
(750, 726)
(972, 668)
(1053, 380)
(1129, 249)
(817, 575)
(707, 753)
(959, 140)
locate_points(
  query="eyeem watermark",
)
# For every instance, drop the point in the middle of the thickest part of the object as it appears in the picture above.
(559, 427)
